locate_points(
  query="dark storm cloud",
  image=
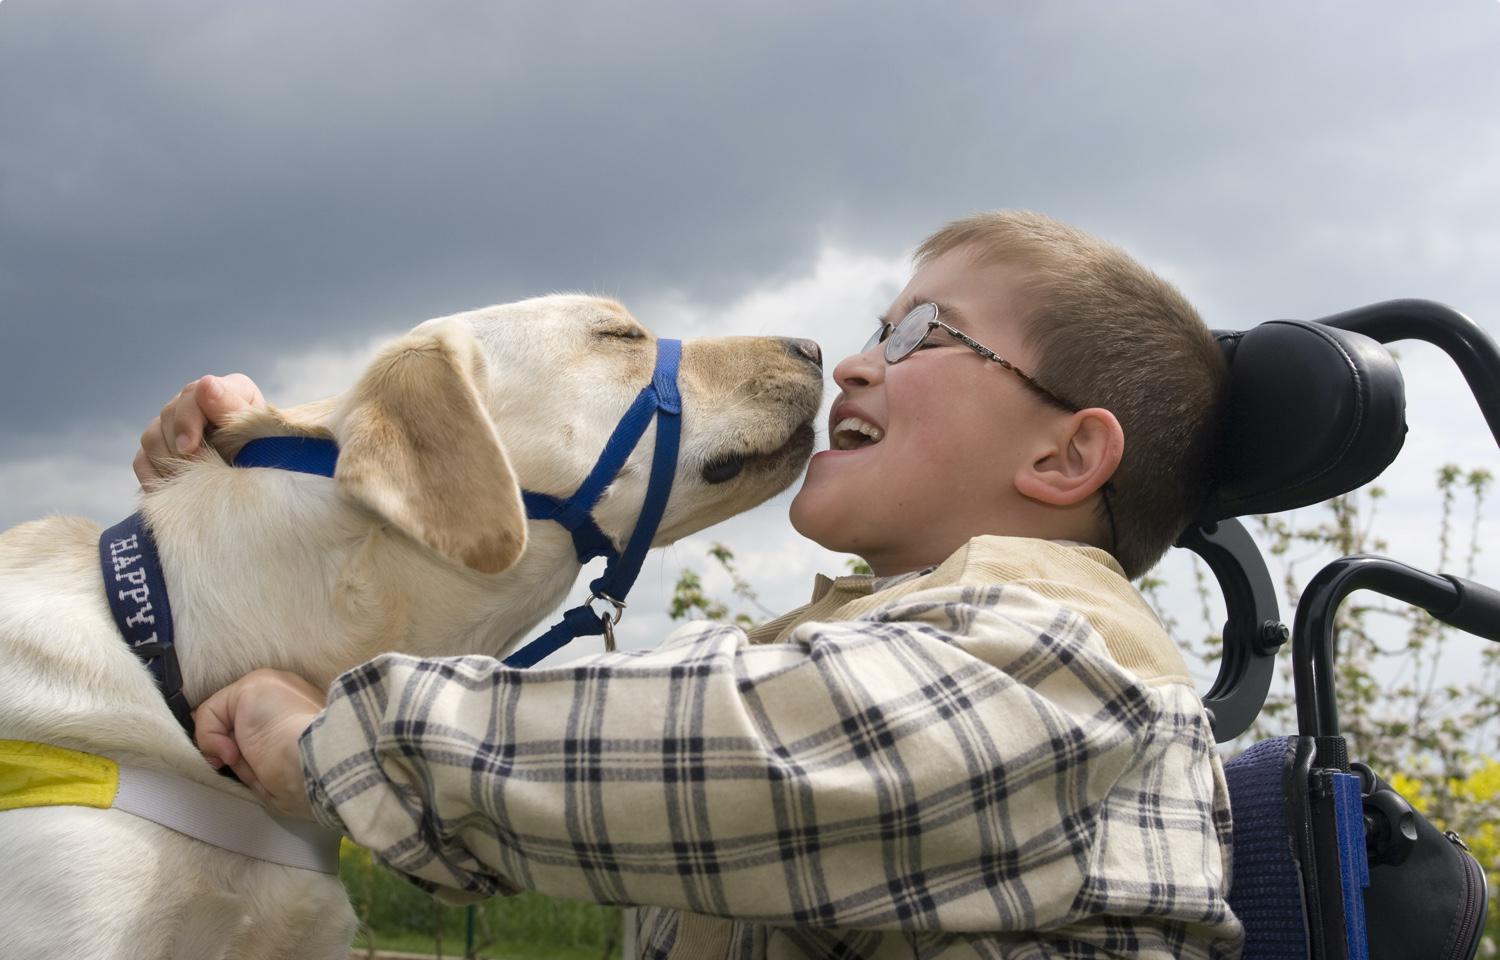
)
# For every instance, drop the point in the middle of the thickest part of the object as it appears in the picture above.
(190, 186)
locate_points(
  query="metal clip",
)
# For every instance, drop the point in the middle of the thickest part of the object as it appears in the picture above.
(604, 618)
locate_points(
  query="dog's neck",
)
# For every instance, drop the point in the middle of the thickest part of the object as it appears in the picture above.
(299, 579)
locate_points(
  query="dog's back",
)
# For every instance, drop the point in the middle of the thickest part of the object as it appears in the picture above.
(80, 882)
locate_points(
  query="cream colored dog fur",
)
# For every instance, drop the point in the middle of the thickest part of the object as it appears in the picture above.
(419, 544)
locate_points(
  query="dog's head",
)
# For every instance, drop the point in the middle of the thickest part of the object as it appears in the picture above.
(450, 423)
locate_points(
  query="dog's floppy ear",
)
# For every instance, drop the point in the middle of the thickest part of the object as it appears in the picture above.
(417, 446)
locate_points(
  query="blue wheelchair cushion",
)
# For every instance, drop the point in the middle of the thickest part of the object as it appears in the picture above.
(1265, 888)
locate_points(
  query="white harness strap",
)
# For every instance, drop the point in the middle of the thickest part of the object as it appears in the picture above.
(242, 826)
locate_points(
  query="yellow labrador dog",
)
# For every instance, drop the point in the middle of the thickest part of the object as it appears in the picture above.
(418, 544)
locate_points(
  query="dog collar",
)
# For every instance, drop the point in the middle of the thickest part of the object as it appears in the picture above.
(137, 594)
(42, 775)
(660, 400)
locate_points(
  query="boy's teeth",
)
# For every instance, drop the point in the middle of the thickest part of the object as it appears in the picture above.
(852, 432)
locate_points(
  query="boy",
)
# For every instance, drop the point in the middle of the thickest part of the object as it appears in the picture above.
(990, 748)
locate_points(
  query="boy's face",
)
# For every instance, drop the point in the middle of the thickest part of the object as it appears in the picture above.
(955, 429)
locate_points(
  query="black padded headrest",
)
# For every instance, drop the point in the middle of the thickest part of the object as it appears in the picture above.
(1312, 412)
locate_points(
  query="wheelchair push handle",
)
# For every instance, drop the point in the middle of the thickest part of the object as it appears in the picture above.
(1476, 611)
(1469, 606)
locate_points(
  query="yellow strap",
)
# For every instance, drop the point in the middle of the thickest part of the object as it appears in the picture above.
(40, 775)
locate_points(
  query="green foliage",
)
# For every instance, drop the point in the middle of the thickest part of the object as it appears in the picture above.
(690, 602)
(396, 915)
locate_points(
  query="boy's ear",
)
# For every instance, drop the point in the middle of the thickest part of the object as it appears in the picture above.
(417, 446)
(1080, 457)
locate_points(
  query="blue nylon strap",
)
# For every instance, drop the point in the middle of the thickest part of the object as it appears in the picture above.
(137, 594)
(314, 455)
(588, 540)
(619, 447)
(664, 378)
(576, 622)
(1354, 868)
(318, 456)
(539, 506)
(619, 578)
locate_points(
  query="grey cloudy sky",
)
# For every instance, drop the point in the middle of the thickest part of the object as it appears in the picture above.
(272, 186)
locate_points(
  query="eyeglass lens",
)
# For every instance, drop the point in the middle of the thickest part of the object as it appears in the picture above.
(906, 335)
(910, 332)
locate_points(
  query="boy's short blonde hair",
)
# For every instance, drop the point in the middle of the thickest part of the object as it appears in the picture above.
(1110, 333)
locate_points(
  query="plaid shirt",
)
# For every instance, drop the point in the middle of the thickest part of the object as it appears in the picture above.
(957, 765)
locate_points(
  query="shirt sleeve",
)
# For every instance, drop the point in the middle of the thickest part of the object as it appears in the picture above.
(940, 763)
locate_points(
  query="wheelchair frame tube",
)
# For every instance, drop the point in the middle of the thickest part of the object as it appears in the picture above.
(1313, 629)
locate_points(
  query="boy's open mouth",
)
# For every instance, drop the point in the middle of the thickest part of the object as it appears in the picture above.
(851, 433)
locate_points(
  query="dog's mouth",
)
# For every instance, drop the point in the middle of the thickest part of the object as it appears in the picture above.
(726, 467)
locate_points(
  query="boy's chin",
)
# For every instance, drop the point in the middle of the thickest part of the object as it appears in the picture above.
(804, 516)
(824, 521)
(810, 521)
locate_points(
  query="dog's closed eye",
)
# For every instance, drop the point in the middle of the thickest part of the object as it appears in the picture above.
(621, 333)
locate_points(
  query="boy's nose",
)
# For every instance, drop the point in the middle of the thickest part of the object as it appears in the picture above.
(860, 369)
(805, 349)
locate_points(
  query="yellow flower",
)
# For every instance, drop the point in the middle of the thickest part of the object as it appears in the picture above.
(1414, 790)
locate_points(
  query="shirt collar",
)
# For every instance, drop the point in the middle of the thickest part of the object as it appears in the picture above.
(863, 583)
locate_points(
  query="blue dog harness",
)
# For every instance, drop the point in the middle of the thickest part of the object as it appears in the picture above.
(659, 399)
(138, 595)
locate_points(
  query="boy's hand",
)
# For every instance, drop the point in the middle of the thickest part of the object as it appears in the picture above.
(180, 427)
(253, 725)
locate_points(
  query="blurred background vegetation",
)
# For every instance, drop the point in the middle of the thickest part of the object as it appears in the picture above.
(396, 916)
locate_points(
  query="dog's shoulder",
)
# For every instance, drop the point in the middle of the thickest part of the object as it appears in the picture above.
(69, 540)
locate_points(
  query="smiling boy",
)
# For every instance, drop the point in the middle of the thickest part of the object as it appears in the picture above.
(990, 748)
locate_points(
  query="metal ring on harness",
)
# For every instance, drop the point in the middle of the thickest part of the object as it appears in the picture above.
(604, 618)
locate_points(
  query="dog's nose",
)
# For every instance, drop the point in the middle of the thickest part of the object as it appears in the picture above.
(806, 349)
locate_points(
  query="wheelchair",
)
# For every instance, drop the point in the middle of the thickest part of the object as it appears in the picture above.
(1329, 862)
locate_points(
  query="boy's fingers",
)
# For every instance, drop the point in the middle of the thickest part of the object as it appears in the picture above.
(214, 731)
(213, 724)
(179, 429)
(247, 777)
(229, 394)
(183, 420)
(220, 748)
(145, 472)
(206, 402)
(153, 441)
